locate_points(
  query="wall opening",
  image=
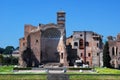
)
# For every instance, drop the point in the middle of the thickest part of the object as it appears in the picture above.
(49, 42)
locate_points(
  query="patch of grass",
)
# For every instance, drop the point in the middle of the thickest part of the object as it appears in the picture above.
(102, 73)
(6, 69)
(107, 71)
(23, 77)
(7, 74)
(93, 77)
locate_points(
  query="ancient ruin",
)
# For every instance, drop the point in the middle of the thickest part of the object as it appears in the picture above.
(89, 47)
(45, 43)
(114, 50)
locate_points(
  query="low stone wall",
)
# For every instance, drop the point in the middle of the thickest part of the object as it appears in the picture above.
(42, 70)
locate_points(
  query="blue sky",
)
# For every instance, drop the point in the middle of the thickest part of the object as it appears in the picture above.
(101, 16)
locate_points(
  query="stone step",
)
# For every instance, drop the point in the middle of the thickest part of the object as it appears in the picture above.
(57, 77)
(51, 65)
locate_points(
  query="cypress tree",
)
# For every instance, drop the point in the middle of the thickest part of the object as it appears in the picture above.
(106, 56)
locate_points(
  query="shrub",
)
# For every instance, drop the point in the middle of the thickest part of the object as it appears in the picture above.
(28, 68)
(79, 68)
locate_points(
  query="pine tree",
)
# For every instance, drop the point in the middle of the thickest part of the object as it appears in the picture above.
(106, 56)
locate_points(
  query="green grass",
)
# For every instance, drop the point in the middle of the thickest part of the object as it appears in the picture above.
(101, 74)
(93, 77)
(6, 69)
(7, 74)
(44, 77)
(107, 71)
(23, 77)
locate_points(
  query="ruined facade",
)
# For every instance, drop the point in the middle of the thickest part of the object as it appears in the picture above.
(46, 41)
(114, 50)
(89, 47)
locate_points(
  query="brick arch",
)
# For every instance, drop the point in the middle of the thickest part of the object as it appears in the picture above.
(81, 46)
(49, 42)
(51, 33)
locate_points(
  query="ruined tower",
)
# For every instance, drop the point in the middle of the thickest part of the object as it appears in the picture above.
(61, 18)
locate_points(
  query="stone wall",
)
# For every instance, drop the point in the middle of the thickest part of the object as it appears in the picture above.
(114, 50)
(89, 50)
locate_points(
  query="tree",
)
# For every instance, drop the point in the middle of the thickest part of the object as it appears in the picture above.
(27, 57)
(6, 61)
(72, 55)
(1, 50)
(14, 60)
(1, 59)
(106, 56)
(17, 48)
(8, 50)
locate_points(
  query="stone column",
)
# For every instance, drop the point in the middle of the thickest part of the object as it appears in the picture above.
(62, 51)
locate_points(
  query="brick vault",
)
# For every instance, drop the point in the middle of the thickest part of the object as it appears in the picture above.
(44, 43)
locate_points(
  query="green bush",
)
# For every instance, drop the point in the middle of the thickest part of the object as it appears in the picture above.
(79, 68)
(28, 68)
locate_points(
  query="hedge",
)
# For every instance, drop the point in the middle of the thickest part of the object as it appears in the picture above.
(28, 68)
(79, 68)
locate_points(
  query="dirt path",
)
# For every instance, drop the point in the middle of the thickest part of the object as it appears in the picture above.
(60, 76)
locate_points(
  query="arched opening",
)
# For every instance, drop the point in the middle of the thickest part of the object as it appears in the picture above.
(81, 55)
(116, 51)
(61, 55)
(87, 62)
(81, 44)
(113, 51)
(49, 42)
(89, 54)
(75, 44)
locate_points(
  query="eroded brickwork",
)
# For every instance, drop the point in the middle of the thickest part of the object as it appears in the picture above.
(114, 50)
(89, 47)
(46, 41)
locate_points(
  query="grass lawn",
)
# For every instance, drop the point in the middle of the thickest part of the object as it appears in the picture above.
(71, 77)
(94, 77)
(114, 74)
(101, 74)
(107, 71)
(23, 77)
(6, 69)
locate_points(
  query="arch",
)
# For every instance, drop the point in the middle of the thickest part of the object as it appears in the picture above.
(61, 55)
(75, 44)
(87, 62)
(81, 55)
(51, 33)
(116, 50)
(81, 44)
(113, 51)
(49, 41)
(89, 54)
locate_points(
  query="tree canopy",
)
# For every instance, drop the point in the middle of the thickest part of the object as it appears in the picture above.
(106, 56)
(8, 50)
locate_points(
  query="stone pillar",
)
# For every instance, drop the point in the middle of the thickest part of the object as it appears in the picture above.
(62, 51)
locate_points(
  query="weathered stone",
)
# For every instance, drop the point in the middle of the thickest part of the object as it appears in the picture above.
(88, 45)
(45, 42)
(114, 50)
